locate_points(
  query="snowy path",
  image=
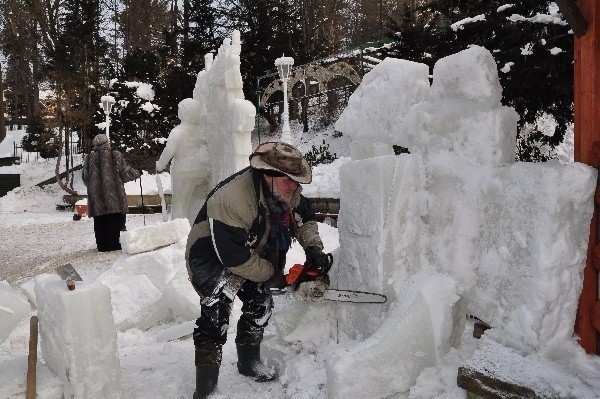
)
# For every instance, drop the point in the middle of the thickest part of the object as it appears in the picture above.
(31, 244)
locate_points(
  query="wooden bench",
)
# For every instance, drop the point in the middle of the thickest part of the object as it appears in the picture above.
(324, 207)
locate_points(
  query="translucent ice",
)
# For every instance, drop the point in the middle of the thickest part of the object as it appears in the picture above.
(13, 308)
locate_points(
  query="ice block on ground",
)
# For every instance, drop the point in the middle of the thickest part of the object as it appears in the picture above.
(78, 337)
(148, 238)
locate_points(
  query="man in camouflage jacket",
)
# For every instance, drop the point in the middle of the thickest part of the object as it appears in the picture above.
(237, 247)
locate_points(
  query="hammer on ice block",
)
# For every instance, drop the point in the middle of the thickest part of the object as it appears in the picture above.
(68, 273)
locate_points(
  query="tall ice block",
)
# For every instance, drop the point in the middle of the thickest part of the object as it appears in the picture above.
(78, 337)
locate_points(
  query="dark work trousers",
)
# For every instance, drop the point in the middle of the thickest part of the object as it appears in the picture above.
(107, 229)
(213, 323)
(123, 222)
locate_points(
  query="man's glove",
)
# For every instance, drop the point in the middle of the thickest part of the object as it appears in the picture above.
(276, 281)
(316, 258)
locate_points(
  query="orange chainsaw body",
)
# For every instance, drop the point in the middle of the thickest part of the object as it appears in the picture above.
(296, 270)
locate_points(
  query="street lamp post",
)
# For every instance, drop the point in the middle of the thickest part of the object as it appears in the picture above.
(107, 103)
(284, 67)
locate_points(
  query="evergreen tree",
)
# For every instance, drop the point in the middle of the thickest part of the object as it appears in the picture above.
(203, 37)
(175, 83)
(40, 138)
(140, 123)
(75, 63)
(534, 56)
(18, 44)
(34, 131)
(269, 29)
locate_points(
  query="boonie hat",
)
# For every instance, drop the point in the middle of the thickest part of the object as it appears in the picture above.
(284, 158)
(100, 139)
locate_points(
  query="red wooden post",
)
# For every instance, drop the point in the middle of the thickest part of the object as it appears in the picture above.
(587, 150)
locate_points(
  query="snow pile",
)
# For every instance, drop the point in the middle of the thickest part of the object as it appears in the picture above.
(7, 146)
(13, 380)
(148, 185)
(78, 337)
(510, 239)
(326, 180)
(13, 308)
(31, 198)
(149, 282)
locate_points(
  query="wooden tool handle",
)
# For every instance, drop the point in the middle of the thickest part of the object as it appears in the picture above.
(32, 359)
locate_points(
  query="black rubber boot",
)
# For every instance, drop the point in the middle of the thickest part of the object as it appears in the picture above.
(250, 365)
(206, 381)
(208, 361)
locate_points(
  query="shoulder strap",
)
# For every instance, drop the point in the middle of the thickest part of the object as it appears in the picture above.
(259, 224)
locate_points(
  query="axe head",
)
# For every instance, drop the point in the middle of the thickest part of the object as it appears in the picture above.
(66, 271)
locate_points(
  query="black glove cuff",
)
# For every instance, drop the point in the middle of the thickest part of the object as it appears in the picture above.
(313, 250)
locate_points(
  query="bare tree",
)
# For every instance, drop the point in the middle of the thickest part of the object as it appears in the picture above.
(363, 21)
(46, 14)
(22, 58)
(143, 23)
(2, 122)
(322, 24)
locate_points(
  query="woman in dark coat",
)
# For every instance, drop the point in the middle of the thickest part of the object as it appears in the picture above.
(104, 173)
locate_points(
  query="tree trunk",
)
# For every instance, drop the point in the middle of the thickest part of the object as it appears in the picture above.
(61, 128)
(57, 170)
(2, 124)
(186, 23)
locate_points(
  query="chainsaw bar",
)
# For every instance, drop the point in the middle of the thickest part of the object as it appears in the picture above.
(353, 296)
(309, 292)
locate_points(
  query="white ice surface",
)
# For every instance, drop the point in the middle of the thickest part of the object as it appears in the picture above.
(14, 306)
(148, 238)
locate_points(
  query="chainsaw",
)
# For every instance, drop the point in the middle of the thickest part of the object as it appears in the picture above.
(311, 283)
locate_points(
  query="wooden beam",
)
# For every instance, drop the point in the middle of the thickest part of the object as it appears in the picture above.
(587, 138)
(495, 371)
(573, 16)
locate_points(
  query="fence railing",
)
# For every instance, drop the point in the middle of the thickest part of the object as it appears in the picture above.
(26, 156)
